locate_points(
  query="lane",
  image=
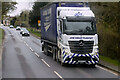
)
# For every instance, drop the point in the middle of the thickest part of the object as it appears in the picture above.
(19, 61)
(35, 55)
(79, 71)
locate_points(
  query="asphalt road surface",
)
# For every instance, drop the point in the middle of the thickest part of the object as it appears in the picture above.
(22, 58)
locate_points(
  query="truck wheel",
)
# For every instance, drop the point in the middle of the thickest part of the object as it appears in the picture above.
(46, 50)
(93, 65)
(42, 47)
(54, 54)
(57, 59)
(62, 64)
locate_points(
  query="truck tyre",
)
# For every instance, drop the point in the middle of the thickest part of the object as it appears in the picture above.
(46, 49)
(57, 52)
(62, 64)
(93, 65)
(42, 47)
(57, 57)
(54, 54)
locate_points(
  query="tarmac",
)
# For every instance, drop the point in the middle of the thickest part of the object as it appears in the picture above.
(101, 62)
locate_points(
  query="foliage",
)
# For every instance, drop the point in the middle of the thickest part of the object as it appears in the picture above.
(34, 31)
(7, 6)
(1, 36)
(108, 15)
(12, 22)
(34, 15)
(109, 60)
(21, 20)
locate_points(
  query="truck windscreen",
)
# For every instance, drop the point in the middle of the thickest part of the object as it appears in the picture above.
(76, 27)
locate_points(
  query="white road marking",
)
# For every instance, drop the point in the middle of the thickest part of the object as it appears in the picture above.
(26, 44)
(58, 75)
(9, 34)
(36, 54)
(19, 39)
(38, 39)
(45, 62)
(107, 70)
(31, 49)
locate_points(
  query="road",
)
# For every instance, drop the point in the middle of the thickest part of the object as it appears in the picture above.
(22, 58)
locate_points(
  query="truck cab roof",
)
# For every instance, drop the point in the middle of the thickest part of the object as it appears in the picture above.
(74, 11)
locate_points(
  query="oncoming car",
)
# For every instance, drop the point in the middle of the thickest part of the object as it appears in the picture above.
(24, 32)
(18, 28)
(11, 26)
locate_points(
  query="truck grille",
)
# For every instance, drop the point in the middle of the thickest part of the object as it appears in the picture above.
(86, 48)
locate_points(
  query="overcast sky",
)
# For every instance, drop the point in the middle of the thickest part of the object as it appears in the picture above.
(21, 6)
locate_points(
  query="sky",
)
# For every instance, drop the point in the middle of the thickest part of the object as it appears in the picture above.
(27, 5)
(21, 6)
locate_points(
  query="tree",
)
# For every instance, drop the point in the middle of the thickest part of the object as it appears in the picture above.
(13, 21)
(22, 19)
(7, 6)
(34, 15)
(108, 20)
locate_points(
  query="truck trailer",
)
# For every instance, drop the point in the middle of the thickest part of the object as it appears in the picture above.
(68, 32)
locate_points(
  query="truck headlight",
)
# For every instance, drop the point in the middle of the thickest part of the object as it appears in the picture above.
(96, 50)
(66, 50)
(65, 40)
(65, 43)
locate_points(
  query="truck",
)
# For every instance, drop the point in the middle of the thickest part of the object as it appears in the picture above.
(68, 33)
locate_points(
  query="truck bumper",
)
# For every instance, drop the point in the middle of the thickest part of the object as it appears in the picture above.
(80, 58)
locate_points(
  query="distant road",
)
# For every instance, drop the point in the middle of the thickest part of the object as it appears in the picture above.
(22, 58)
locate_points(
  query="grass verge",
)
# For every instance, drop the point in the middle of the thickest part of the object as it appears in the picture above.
(34, 31)
(1, 36)
(109, 60)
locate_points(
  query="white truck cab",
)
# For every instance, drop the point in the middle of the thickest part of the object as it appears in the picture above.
(77, 36)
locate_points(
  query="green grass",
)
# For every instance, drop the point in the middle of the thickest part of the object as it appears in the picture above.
(109, 60)
(1, 36)
(35, 32)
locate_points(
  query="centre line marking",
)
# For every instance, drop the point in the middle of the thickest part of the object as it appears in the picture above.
(107, 70)
(26, 44)
(31, 49)
(36, 54)
(45, 62)
(58, 75)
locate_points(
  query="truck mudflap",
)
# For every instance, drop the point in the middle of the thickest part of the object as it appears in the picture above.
(80, 58)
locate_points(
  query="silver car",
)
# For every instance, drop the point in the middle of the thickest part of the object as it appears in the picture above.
(24, 32)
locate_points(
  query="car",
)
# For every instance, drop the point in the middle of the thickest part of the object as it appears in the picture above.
(18, 28)
(24, 32)
(21, 31)
(11, 26)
